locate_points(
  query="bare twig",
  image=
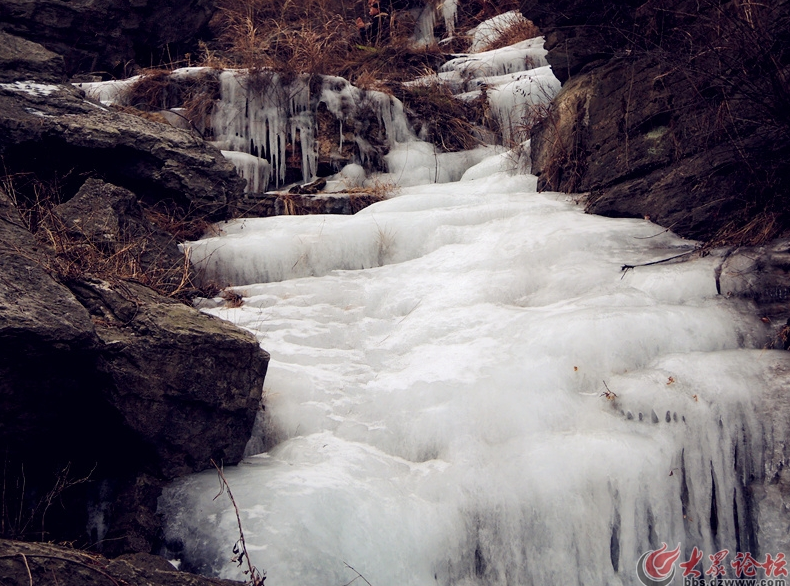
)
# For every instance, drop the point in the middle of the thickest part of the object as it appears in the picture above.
(358, 576)
(657, 262)
(608, 393)
(27, 567)
(257, 578)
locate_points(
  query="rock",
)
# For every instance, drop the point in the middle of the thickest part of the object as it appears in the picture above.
(185, 385)
(23, 60)
(108, 391)
(25, 563)
(109, 35)
(110, 220)
(760, 273)
(196, 396)
(308, 188)
(288, 204)
(666, 112)
(52, 132)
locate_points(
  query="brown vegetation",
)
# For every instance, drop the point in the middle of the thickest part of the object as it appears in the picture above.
(521, 30)
(133, 256)
(448, 122)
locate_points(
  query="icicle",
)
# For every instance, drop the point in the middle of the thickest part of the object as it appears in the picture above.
(423, 33)
(254, 169)
(449, 12)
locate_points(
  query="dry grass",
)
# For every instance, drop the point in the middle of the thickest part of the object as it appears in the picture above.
(158, 90)
(232, 299)
(521, 30)
(448, 122)
(310, 36)
(377, 189)
(760, 229)
(72, 255)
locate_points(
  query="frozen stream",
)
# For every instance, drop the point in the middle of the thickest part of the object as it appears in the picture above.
(436, 395)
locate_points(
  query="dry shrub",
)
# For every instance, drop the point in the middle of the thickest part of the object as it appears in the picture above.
(448, 122)
(310, 36)
(389, 64)
(511, 33)
(72, 255)
(158, 90)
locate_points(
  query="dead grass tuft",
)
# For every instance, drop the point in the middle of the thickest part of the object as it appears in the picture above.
(447, 121)
(232, 299)
(73, 255)
(521, 30)
(194, 95)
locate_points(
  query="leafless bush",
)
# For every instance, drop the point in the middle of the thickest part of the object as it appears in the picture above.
(512, 32)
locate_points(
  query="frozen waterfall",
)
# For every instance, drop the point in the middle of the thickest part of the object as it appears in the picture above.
(437, 398)
(465, 386)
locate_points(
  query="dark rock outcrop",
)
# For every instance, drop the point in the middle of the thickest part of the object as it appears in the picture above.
(108, 392)
(671, 109)
(109, 220)
(22, 60)
(109, 35)
(53, 132)
(187, 382)
(44, 563)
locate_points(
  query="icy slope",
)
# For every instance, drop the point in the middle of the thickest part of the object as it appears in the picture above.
(436, 395)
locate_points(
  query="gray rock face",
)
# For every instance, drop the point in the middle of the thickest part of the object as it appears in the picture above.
(108, 35)
(108, 390)
(670, 109)
(186, 382)
(113, 386)
(52, 131)
(21, 59)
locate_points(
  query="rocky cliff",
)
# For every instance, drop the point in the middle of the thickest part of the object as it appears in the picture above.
(110, 387)
(672, 110)
(109, 37)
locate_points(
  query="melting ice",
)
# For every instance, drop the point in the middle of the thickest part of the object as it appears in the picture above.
(465, 389)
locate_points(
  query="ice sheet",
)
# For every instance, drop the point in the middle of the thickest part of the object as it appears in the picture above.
(436, 408)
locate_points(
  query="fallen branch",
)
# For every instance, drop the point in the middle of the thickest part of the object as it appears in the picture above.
(625, 268)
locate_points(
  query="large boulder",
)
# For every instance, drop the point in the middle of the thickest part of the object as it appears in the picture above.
(109, 35)
(52, 131)
(670, 109)
(188, 383)
(109, 391)
(21, 59)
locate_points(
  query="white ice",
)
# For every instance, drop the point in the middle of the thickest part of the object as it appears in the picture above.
(254, 169)
(30, 87)
(108, 92)
(434, 403)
